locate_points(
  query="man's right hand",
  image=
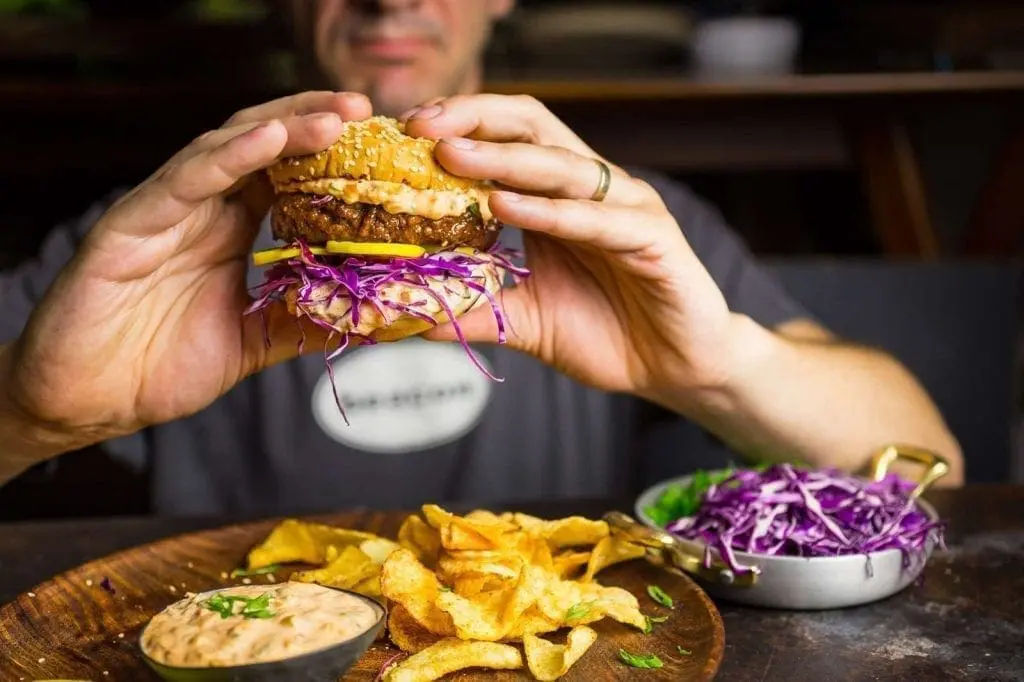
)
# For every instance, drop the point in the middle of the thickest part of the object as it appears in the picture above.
(145, 324)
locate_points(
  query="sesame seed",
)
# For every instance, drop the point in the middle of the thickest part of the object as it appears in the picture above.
(120, 635)
(246, 581)
(172, 588)
(31, 595)
(223, 575)
(191, 565)
(88, 583)
(42, 659)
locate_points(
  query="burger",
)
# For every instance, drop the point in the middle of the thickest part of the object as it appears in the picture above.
(379, 242)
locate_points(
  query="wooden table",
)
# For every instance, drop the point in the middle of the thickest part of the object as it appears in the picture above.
(965, 622)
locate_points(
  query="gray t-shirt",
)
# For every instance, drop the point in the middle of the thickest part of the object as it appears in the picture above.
(425, 424)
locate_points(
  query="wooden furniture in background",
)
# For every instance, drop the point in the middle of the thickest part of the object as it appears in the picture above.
(93, 105)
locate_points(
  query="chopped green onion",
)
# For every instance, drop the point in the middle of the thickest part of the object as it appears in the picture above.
(639, 660)
(578, 611)
(252, 607)
(242, 572)
(659, 595)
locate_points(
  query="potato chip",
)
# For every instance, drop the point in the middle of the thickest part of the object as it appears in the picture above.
(351, 567)
(298, 541)
(450, 655)
(408, 582)
(573, 531)
(483, 516)
(608, 552)
(567, 564)
(532, 622)
(489, 617)
(370, 587)
(453, 566)
(406, 633)
(576, 603)
(421, 539)
(548, 661)
(566, 603)
(378, 549)
(459, 533)
(460, 590)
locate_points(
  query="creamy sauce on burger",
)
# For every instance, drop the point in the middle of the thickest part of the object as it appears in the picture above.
(255, 624)
(396, 197)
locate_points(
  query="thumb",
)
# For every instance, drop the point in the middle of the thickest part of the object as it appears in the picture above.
(509, 318)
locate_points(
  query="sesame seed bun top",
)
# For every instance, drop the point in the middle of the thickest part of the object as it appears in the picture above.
(372, 149)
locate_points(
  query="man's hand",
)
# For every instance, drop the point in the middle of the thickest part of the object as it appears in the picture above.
(619, 301)
(616, 299)
(145, 324)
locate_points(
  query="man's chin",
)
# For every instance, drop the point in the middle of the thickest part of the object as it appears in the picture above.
(398, 96)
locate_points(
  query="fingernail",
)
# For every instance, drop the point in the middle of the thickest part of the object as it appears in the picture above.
(323, 116)
(409, 114)
(427, 113)
(509, 196)
(460, 143)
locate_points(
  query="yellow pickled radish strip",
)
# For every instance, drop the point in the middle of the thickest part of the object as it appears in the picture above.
(376, 249)
(273, 255)
(468, 250)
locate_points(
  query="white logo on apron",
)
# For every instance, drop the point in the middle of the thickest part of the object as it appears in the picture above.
(402, 397)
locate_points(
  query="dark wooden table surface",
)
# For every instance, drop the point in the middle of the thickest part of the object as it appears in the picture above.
(964, 622)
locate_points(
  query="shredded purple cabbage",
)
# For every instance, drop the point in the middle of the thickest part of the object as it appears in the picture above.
(361, 278)
(784, 511)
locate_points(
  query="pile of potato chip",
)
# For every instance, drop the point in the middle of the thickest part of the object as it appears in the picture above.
(464, 591)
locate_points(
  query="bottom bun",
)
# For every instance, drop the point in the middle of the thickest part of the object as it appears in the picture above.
(390, 319)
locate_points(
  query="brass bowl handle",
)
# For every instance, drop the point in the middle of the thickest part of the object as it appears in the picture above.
(935, 465)
(664, 550)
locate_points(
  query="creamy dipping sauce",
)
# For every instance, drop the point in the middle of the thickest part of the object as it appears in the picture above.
(255, 624)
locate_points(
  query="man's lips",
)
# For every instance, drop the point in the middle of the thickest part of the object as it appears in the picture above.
(392, 49)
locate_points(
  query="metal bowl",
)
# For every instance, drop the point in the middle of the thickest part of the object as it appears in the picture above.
(324, 664)
(814, 583)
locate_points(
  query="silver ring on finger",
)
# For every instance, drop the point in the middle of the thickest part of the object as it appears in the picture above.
(604, 183)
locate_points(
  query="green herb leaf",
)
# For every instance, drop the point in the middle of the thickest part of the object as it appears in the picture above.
(252, 607)
(659, 595)
(678, 501)
(445, 588)
(258, 607)
(578, 611)
(219, 604)
(639, 660)
(241, 572)
(649, 622)
(684, 652)
(475, 210)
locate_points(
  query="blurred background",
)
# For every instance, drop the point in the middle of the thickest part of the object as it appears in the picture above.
(871, 150)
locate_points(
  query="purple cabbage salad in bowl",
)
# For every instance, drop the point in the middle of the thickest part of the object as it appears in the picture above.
(786, 511)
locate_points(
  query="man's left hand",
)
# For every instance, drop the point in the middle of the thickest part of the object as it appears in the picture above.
(617, 298)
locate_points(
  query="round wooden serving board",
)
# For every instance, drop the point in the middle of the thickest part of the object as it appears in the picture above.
(72, 628)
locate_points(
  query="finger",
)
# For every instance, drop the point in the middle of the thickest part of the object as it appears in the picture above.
(350, 106)
(480, 325)
(170, 197)
(275, 335)
(551, 171)
(307, 134)
(610, 228)
(495, 118)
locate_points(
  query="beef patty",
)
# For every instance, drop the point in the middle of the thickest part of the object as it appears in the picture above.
(317, 219)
